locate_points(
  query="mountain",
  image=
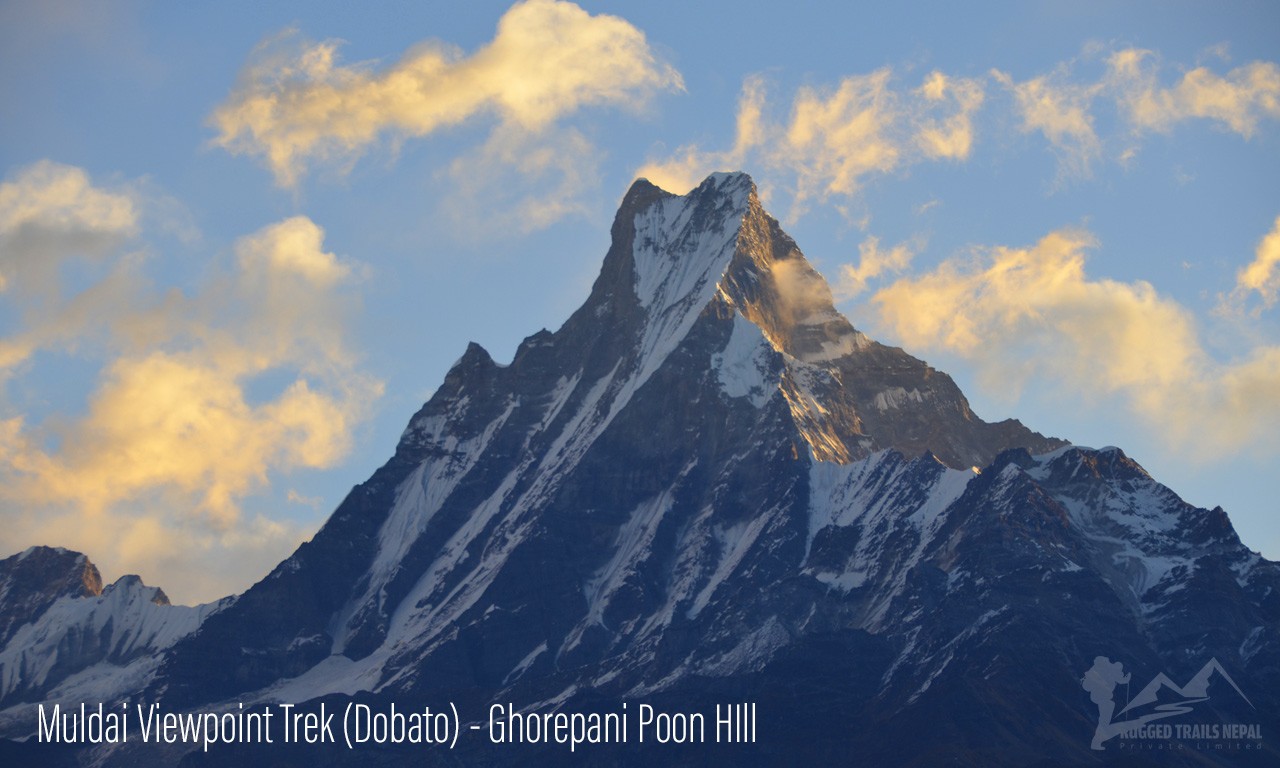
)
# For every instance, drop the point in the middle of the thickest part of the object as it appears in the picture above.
(63, 636)
(1196, 689)
(708, 487)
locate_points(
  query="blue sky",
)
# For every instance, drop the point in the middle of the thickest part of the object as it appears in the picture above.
(240, 243)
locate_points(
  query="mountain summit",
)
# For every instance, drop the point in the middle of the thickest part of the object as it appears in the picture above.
(707, 486)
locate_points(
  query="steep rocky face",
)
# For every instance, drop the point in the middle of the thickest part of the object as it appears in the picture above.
(34, 579)
(854, 395)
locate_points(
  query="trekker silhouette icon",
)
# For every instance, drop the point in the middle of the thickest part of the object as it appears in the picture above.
(1101, 681)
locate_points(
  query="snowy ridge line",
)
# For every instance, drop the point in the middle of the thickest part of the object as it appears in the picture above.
(126, 621)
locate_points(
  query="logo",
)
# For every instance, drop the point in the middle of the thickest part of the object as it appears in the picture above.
(1162, 698)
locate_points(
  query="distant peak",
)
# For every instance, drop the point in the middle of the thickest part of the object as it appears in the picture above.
(642, 188)
(57, 569)
(131, 584)
(729, 179)
(475, 355)
(40, 550)
(641, 195)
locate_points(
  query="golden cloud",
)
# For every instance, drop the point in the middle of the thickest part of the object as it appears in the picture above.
(50, 212)
(172, 440)
(690, 164)
(1238, 100)
(296, 105)
(1062, 112)
(1261, 275)
(1020, 312)
(952, 136)
(1062, 109)
(834, 138)
(873, 261)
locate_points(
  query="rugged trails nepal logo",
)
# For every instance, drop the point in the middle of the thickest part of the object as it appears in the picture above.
(1135, 720)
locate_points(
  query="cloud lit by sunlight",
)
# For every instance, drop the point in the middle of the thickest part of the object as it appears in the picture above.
(1019, 313)
(1063, 108)
(835, 138)
(1262, 275)
(951, 136)
(50, 212)
(297, 106)
(873, 261)
(1238, 100)
(172, 440)
(690, 164)
(1060, 110)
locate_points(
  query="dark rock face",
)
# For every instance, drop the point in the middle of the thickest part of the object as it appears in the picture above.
(62, 623)
(31, 581)
(707, 486)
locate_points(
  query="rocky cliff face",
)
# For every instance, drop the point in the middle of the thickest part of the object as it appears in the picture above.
(33, 580)
(707, 485)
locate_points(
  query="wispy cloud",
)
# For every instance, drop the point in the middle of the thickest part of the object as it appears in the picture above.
(294, 497)
(690, 164)
(835, 138)
(950, 136)
(1260, 276)
(519, 182)
(172, 439)
(873, 261)
(50, 212)
(1061, 111)
(1019, 313)
(1064, 108)
(1238, 100)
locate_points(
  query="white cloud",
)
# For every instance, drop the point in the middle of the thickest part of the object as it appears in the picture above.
(50, 212)
(517, 182)
(295, 497)
(835, 138)
(60, 198)
(171, 440)
(1034, 312)
(51, 215)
